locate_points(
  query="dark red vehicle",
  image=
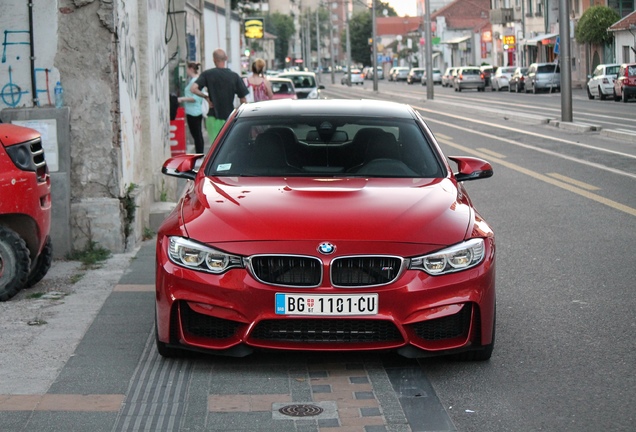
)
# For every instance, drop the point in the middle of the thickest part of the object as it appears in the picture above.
(25, 210)
(326, 225)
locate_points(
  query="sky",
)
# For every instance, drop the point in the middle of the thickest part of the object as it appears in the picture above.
(403, 7)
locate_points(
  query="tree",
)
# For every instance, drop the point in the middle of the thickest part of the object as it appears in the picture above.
(593, 25)
(282, 26)
(360, 28)
(380, 6)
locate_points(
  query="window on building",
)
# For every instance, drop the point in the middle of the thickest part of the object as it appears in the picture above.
(622, 7)
(626, 51)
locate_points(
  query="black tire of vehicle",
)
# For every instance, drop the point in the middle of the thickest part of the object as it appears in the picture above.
(486, 352)
(42, 265)
(164, 350)
(15, 261)
(601, 95)
(625, 98)
(590, 96)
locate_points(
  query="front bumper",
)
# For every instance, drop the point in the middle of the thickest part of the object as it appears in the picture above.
(234, 314)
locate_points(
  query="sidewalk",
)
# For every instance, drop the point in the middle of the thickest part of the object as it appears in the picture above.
(82, 358)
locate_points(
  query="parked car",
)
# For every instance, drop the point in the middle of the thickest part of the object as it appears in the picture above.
(518, 79)
(543, 76)
(437, 77)
(415, 75)
(625, 83)
(448, 77)
(379, 71)
(501, 78)
(25, 210)
(399, 73)
(469, 77)
(305, 84)
(275, 244)
(283, 88)
(601, 83)
(356, 77)
(488, 71)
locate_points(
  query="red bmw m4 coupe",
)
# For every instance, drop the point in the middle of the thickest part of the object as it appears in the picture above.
(326, 225)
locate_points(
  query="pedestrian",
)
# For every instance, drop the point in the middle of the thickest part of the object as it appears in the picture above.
(192, 105)
(222, 85)
(258, 84)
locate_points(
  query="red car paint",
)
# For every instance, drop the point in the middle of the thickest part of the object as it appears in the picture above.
(248, 216)
(25, 209)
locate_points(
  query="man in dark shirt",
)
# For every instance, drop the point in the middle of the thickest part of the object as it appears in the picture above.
(222, 84)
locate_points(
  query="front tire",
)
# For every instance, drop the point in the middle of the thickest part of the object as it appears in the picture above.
(14, 263)
(42, 265)
(590, 96)
(601, 95)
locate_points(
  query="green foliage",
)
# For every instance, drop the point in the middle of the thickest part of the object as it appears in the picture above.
(380, 6)
(91, 255)
(282, 26)
(593, 25)
(360, 28)
(128, 202)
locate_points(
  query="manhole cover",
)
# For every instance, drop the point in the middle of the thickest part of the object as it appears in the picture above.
(301, 410)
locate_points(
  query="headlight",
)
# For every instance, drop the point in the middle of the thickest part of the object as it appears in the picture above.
(313, 94)
(21, 156)
(453, 259)
(196, 256)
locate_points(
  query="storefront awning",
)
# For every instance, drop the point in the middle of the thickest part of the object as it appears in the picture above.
(456, 40)
(535, 40)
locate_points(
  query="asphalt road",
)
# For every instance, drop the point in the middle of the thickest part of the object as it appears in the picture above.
(563, 207)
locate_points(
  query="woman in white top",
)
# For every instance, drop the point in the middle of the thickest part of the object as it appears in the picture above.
(258, 83)
(192, 105)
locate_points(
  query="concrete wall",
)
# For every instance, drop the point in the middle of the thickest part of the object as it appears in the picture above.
(112, 60)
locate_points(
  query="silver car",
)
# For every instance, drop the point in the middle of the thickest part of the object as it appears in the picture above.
(601, 82)
(501, 78)
(543, 76)
(469, 77)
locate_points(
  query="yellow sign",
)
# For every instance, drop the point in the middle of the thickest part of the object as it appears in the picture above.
(509, 40)
(254, 28)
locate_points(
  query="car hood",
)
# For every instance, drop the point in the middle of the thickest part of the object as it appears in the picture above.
(422, 211)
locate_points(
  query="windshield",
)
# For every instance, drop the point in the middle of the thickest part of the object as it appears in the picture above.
(325, 146)
(301, 81)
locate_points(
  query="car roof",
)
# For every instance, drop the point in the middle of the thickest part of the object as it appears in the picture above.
(333, 107)
(279, 79)
(297, 73)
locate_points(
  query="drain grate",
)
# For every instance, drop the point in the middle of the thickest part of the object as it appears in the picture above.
(301, 410)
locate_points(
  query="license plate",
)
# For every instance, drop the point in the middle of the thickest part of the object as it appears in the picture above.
(332, 305)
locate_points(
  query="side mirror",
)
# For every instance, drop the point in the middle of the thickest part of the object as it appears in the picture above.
(471, 168)
(182, 166)
(321, 87)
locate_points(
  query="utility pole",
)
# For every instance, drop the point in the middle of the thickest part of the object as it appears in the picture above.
(564, 57)
(318, 46)
(375, 47)
(228, 32)
(348, 45)
(429, 50)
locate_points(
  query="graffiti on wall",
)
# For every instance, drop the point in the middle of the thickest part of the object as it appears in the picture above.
(128, 59)
(14, 87)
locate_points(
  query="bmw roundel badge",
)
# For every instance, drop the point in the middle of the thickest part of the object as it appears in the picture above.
(326, 248)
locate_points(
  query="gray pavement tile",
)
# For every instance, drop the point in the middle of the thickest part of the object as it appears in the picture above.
(248, 422)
